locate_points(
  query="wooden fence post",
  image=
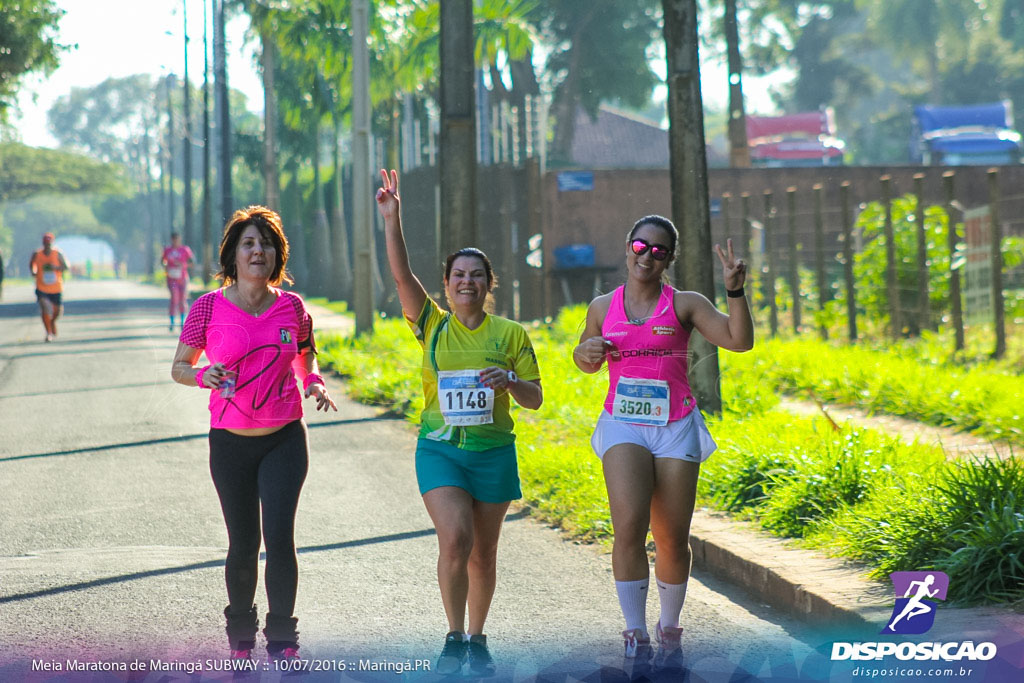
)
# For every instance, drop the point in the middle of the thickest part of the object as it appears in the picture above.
(745, 226)
(998, 305)
(746, 235)
(769, 265)
(794, 258)
(892, 291)
(954, 273)
(923, 313)
(851, 301)
(726, 218)
(819, 257)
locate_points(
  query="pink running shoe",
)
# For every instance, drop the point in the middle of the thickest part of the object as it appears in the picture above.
(288, 653)
(638, 643)
(242, 663)
(670, 650)
(669, 637)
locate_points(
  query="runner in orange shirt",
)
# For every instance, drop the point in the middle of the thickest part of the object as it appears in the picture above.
(48, 265)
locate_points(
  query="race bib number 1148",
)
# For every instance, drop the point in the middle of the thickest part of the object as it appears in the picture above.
(464, 400)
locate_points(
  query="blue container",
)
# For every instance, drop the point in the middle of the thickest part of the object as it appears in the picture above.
(574, 256)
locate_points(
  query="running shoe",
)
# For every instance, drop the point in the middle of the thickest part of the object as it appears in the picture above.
(480, 661)
(287, 661)
(452, 655)
(240, 663)
(287, 654)
(670, 649)
(638, 643)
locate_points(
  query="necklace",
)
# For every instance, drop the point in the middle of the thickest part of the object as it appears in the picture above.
(637, 320)
(254, 308)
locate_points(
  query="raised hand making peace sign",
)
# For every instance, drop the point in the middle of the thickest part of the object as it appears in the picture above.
(734, 270)
(388, 202)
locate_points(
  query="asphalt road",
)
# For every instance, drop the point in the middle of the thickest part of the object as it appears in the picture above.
(112, 541)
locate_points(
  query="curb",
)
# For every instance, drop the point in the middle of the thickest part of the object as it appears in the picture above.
(806, 584)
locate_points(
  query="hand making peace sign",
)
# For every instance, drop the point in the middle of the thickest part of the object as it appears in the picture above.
(734, 270)
(388, 201)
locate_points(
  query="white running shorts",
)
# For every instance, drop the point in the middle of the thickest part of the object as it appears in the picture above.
(686, 439)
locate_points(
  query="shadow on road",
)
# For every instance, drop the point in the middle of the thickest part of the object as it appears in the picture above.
(86, 307)
(65, 342)
(185, 437)
(213, 564)
(141, 385)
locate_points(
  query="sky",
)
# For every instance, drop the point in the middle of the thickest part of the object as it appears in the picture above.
(117, 38)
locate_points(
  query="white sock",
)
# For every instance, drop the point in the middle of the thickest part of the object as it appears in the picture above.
(672, 596)
(633, 600)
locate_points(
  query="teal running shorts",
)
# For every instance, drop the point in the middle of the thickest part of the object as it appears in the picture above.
(490, 476)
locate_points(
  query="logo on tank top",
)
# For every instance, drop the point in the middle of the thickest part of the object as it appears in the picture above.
(663, 330)
(286, 336)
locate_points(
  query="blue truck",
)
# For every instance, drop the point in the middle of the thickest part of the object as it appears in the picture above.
(964, 135)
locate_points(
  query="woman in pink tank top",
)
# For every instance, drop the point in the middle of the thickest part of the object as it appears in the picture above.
(259, 342)
(650, 436)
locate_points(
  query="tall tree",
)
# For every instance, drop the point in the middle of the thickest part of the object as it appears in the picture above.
(186, 175)
(739, 151)
(313, 49)
(28, 44)
(222, 107)
(689, 184)
(601, 50)
(27, 171)
(927, 32)
(458, 127)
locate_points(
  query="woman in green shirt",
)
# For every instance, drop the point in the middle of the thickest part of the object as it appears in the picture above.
(473, 362)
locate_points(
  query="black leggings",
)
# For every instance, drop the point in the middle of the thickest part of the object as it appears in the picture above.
(249, 471)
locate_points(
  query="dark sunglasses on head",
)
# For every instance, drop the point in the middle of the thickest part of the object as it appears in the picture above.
(658, 252)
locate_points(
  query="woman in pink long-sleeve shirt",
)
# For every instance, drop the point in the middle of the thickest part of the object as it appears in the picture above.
(259, 341)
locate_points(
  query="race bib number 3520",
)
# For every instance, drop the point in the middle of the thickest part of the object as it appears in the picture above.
(641, 401)
(464, 400)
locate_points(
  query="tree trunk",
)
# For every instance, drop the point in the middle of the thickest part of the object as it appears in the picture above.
(567, 97)
(320, 257)
(271, 178)
(298, 262)
(222, 106)
(186, 176)
(458, 126)
(342, 280)
(689, 185)
(739, 149)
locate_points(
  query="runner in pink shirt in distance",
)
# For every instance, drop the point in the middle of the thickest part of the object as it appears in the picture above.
(176, 259)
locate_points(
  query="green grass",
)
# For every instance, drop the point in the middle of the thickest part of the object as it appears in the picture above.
(336, 306)
(853, 492)
(985, 399)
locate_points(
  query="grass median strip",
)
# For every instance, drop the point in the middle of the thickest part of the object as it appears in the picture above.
(852, 492)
